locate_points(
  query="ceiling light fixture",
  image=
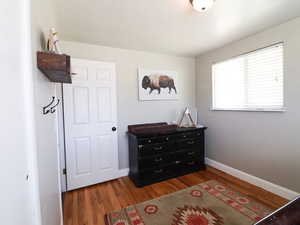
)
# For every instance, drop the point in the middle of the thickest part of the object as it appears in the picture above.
(202, 5)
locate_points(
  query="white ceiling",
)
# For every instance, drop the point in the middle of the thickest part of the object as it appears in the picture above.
(168, 26)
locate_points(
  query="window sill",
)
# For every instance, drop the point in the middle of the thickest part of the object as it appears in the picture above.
(250, 110)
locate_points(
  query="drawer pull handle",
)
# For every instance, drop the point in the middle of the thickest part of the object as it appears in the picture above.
(158, 160)
(184, 136)
(158, 171)
(191, 142)
(158, 148)
(191, 153)
(177, 162)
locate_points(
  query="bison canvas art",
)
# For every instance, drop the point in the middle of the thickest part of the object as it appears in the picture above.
(157, 85)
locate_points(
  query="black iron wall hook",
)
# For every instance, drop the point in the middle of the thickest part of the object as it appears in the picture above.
(53, 110)
(46, 109)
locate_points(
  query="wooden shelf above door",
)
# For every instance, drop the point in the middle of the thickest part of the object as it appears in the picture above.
(55, 67)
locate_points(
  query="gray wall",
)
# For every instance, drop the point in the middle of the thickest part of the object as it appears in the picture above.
(264, 144)
(130, 109)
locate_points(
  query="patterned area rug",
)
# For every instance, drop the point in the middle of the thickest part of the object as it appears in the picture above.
(209, 203)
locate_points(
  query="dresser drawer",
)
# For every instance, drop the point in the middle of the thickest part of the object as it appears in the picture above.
(187, 155)
(191, 165)
(164, 139)
(147, 141)
(156, 173)
(194, 134)
(167, 139)
(178, 167)
(188, 143)
(151, 162)
(148, 150)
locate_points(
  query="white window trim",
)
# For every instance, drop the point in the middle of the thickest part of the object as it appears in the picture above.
(275, 109)
(251, 110)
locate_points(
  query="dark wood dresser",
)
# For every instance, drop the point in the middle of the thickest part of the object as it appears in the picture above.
(159, 156)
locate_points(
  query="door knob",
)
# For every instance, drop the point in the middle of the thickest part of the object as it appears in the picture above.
(114, 129)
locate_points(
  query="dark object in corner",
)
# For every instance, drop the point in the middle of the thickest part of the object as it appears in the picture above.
(287, 215)
(157, 154)
(56, 67)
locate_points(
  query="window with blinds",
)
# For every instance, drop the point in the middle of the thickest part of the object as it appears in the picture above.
(253, 81)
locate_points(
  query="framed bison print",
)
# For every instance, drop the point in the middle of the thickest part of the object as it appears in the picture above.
(157, 85)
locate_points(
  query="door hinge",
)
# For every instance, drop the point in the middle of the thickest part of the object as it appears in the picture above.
(64, 171)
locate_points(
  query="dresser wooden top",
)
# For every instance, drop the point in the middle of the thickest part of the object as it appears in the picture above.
(177, 131)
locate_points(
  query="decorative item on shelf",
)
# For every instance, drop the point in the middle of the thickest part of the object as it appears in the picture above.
(202, 5)
(186, 115)
(50, 108)
(52, 43)
(157, 85)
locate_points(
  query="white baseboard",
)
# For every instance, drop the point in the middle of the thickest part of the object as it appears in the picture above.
(124, 172)
(274, 188)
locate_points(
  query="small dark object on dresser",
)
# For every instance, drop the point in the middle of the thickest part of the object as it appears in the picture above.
(165, 154)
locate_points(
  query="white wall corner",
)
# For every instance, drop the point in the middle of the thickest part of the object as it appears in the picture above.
(123, 172)
(274, 188)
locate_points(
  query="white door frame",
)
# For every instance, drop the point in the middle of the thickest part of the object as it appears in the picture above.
(61, 138)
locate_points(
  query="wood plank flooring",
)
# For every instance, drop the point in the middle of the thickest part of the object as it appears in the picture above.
(88, 206)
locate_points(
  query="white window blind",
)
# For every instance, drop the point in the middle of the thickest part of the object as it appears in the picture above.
(253, 81)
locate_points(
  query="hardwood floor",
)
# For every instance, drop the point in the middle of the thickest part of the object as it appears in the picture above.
(88, 206)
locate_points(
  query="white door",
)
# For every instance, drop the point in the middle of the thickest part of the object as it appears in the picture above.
(90, 115)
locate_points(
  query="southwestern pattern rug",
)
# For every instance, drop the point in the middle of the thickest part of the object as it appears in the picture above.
(209, 203)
